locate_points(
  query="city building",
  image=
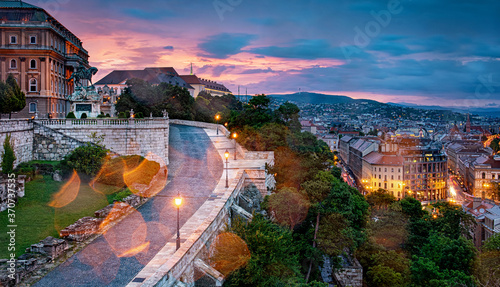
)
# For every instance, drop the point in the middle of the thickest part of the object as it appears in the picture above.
(487, 216)
(199, 85)
(383, 171)
(482, 174)
(117, 79)
(41, 54)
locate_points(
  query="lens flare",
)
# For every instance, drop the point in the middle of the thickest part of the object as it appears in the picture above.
(68, 192)
(228, 252)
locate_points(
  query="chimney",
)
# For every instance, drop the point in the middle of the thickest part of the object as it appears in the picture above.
(476, 202)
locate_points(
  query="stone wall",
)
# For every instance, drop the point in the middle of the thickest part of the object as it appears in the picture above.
(350, 275)
(21, 132)
(145, 137)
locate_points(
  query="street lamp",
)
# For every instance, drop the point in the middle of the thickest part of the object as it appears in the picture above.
(226, 155)
(178, 202)
(217, 118)
(234, 136)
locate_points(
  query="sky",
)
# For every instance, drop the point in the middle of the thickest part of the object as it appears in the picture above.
(426, 52)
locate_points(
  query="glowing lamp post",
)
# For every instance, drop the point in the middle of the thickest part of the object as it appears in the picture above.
(234, 136)
(178, 202)
(217, 118)
(226, 155)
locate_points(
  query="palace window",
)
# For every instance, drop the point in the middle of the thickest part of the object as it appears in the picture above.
(33, 86)
(32, 39)
(32, 107)
(33, 64)
(13, 64)
(484, 175)
(13, 39)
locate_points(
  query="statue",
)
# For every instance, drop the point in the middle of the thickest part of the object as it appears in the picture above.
(151, 115)
(165, 114)
(82, 73)
(131, 113)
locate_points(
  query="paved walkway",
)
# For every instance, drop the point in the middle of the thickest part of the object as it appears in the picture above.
(195, 169)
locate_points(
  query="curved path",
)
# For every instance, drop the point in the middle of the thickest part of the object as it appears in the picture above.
(194, 170)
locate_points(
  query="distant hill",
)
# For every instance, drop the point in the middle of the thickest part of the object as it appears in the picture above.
(315, 98)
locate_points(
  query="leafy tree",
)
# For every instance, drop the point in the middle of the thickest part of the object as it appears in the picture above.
(412, 208)
(12, 99)
(380, 199)
(8, 156)
(279, 206)
(487, 268)
(495, 145)
(334, 235)
(289, 114)
(492, 243)
(274, 257)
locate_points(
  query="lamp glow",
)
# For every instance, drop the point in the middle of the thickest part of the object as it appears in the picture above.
(178, 201)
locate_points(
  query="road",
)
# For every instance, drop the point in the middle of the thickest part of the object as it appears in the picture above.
(114, 258)
(456, 193)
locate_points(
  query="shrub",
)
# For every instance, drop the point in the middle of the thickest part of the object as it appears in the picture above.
(122, 194)
(100, 116)
(121, 115)
(84, 116)
(25, 168)
(87, 159)
(71, 115)
(8, 156)
(108, 116)
(139, 115)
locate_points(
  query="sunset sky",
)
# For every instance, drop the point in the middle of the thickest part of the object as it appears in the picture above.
(419, 51)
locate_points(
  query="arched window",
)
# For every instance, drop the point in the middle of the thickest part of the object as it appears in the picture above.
(33, 85)
(484, 175)
(13, 64)
(33, 64)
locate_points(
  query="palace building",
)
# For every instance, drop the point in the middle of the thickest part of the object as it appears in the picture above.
(41, 54)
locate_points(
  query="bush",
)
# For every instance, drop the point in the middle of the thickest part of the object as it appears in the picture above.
(25, 168)
(71, 115)
(139, 115)
(108, 116)
(8, 156)
(101, 116)
(87, 159)
(122, 194)
(121, 115)
(84, 116)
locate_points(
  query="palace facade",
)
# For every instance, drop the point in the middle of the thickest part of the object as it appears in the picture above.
(41, 54)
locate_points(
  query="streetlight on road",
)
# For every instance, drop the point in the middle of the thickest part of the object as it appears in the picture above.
(178, 202)
(234, 136)
(217, 118)
(226, 155)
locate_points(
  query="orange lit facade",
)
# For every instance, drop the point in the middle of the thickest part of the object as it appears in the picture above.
(41, 54)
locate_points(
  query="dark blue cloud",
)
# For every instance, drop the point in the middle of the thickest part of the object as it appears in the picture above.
(168, 47)
(224, 45)
(311, 49)
(143, 14)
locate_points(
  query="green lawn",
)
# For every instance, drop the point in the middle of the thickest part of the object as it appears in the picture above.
(36, 220)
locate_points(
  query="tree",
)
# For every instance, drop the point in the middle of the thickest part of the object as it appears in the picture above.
(274, 257)
(495, 145)
(8, 156)
(334, 235)
(492, 243)
(279, 206)
(12, 99)
(380, 199)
